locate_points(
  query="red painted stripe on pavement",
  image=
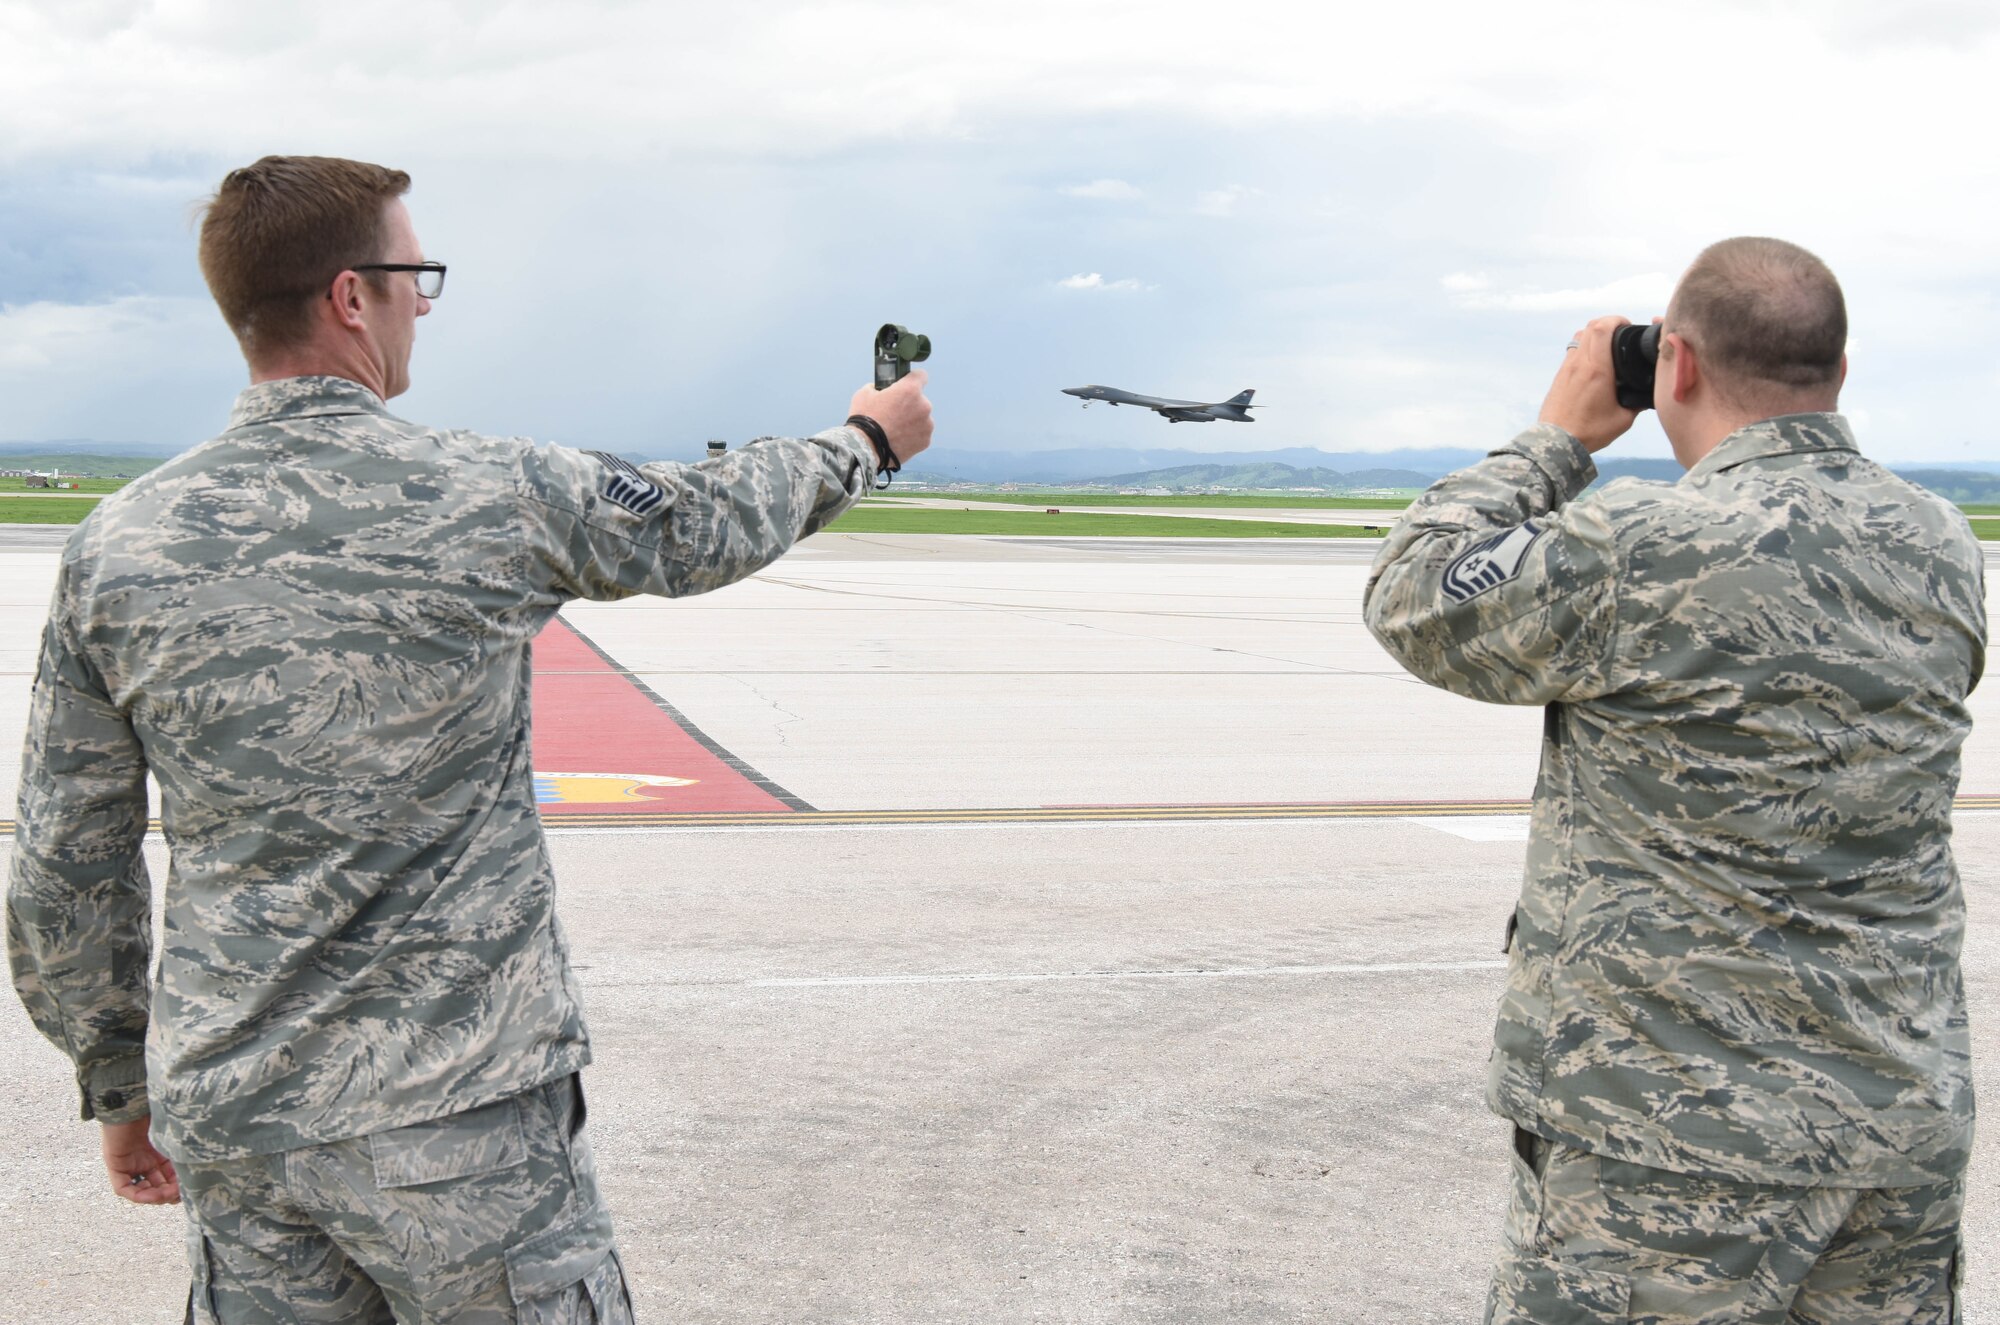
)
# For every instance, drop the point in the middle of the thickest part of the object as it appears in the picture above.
(605, 744)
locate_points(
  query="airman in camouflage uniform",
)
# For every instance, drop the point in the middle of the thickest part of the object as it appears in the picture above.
(360, 1059)
(1733, 1041)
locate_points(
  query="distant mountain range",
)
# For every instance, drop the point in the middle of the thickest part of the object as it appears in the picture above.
(1289, 469)
(1267, 474)
(1105, 464)
(82, 446)
(1969, 483)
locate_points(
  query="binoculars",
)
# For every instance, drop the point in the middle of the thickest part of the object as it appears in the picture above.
(1635, 354)
(896, 348)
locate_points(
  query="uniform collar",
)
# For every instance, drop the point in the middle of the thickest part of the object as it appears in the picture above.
(1788, 434)
(303, 398)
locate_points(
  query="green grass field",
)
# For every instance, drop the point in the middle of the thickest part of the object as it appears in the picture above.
(869, 518)
(44, 510)
(873, 518)
(1978, 508)
(1216, 502)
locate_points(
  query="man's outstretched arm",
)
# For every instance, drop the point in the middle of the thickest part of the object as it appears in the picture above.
(607, 528)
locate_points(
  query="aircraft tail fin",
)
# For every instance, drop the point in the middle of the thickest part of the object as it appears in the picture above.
(1241, 398)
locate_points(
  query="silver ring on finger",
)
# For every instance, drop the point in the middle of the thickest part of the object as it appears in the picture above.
(1572, 345)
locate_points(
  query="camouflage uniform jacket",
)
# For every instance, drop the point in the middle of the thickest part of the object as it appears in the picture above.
(1736, 950)
(313, 631)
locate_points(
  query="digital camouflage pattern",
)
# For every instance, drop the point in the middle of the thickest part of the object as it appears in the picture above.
(1736, 948)
(483, 1218)
(314, 631)
(1600, 1240)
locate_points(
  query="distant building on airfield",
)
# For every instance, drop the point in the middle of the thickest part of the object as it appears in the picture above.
(715, 449)
(36, 481)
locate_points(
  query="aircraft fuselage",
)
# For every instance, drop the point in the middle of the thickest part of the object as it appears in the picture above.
(1234, 410)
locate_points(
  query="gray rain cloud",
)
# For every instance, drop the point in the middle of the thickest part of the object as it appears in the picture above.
(664, 231)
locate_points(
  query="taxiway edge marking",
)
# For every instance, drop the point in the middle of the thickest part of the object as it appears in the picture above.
(1058, 814)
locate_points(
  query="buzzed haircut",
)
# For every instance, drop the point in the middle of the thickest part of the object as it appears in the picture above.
(276, 234)
(1763, 314)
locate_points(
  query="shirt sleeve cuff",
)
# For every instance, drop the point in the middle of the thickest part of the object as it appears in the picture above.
(115, 1091)
(856, 441)
(1559, 455)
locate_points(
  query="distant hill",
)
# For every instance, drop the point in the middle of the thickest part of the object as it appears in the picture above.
(1285, 469)
(1102, 464)
(73, 446)
(1965, 485)
(1267, 476)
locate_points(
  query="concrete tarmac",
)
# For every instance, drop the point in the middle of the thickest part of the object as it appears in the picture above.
(1086, 1072)
(1350, 515)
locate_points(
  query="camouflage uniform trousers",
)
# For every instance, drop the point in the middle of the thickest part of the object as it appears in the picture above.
(482, 1217)
(1592, 1241)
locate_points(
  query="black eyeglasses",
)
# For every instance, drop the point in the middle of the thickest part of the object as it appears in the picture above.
(430, 275)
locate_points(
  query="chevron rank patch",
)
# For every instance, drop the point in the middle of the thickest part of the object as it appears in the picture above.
(1490, 562)
(627, 487)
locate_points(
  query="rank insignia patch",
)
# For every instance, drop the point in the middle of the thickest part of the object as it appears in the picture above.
(627, 487)
(1490, 562)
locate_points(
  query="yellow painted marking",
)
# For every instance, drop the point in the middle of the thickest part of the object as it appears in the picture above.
(1060, 814)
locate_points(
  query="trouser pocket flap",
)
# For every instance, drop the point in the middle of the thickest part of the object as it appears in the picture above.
(1534, 1290)
(482, 1140)
(559, 1256)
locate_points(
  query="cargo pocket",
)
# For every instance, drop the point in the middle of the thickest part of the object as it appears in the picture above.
(201, 1308)
(569, 1274)
(1534, 1290)
(482, 1140)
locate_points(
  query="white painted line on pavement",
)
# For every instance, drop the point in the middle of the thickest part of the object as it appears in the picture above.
(1377, 968)
(1478, 827)
(644, 830)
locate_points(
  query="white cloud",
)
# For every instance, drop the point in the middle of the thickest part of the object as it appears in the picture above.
(39, 337)
(1222, 201)
(1106, 190)
(694, 150)
(611, 79)
(1634, 296)
(137, 368)
(1090, 280)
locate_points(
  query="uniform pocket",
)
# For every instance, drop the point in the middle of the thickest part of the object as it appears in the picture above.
(609, 1295)
(201, 1277)
(482, 1140)
(1520, 1031)
(569, 1274)
(1535, 1290)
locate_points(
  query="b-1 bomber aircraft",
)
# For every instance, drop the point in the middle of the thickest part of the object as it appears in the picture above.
(1236, 409)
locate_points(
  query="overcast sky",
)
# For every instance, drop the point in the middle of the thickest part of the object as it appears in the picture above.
(667, 222)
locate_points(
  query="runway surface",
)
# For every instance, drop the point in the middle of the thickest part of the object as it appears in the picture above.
(989, 930)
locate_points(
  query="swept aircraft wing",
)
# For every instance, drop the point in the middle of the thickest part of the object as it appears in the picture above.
(1234, 410)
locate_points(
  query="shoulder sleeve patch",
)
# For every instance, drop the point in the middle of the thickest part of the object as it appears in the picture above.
(1491, 562)
(625, 486)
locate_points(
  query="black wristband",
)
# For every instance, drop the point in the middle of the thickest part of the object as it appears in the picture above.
(885, 458)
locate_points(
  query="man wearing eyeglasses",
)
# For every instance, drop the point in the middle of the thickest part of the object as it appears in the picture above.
(359, 1066)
